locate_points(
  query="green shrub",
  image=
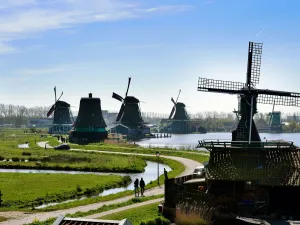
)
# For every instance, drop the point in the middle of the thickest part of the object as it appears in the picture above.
(31, 159)
(1, 158)
(26, 153)
(15, 159)
(151, 222)
(78, 189)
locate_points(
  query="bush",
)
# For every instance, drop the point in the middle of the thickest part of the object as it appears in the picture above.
(78, 189)
(1, 158)
(32, 159)
(26, 153)
(15, 159)
(157, 221)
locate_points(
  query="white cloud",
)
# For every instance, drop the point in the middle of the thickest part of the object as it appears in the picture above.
(27, 18)
(5, 4)
(5, 48)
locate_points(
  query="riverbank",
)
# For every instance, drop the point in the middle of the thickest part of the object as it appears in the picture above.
(23, 191)
(28, 218)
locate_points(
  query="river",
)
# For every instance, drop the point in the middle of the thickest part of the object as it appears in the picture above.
(190, 141)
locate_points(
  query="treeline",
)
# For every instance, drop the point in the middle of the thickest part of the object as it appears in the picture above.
(19, 115)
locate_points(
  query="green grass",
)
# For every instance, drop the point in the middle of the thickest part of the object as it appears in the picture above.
(103, 208)
(114, 206)
(71, 160)
(176, 167)
(23, 190)
(59, 160)
(88, 161)
(199, 156)
(136, 215)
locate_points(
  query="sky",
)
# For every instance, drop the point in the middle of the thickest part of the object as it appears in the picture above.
(93, 46)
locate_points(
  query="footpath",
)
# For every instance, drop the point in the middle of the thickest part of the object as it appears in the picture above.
(20, 218)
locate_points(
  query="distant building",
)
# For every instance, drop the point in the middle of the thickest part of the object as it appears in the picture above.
(39, 122)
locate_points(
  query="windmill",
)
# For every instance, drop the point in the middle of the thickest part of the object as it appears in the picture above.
(89, 125)
(179, 109)
(275, 121)
(246, 163)
(62, 119)
(249, 96)
(178, 117)
(129, 116)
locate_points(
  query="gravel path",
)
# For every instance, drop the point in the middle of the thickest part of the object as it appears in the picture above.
(19, 218)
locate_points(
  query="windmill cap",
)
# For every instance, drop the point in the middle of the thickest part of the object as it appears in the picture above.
(90, 95)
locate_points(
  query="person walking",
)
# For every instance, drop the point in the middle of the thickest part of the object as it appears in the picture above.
(136, 188)
(142, 185)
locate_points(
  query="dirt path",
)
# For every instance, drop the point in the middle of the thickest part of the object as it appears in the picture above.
(22, 218)
(43, 143)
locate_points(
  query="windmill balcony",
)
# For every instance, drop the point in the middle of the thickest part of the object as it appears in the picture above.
(226, 144)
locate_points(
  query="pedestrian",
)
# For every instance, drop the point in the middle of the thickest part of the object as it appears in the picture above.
(142, 185)
(136, 187)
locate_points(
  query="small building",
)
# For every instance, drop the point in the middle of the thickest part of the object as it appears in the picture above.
(61, 220)
(125, 130)
(39, 122)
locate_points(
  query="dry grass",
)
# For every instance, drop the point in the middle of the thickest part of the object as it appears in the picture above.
(193, 213)
(188, 219)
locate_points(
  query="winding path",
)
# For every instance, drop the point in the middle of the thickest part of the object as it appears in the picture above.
(22, 218)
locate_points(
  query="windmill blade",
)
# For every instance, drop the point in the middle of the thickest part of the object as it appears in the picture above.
(120, 114)
(118, 97)
(172, 112)
(60, 96)
(129, 80)
(220, 86)
(273, 107)
(55, 93)
(178, 95)
(282, 98)
(173, 101)
(254, 63)
(51, 110)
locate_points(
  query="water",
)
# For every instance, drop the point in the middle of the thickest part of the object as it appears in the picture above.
(149, 175)
(190, 141)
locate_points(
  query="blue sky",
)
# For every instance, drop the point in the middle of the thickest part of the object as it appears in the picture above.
(84, 46)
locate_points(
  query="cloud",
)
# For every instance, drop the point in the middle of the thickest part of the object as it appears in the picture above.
(27, 18)
(52, 70)
(99, 43)
(32, 73)
(4, 4)
(5, 48)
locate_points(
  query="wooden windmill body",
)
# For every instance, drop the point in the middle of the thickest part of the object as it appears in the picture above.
(89, 126)
(62, 118)
(129, 120)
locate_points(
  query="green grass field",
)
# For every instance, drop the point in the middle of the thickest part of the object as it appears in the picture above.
(136, 215)
(22, 190)
(199, 156)
(59, 160)
(39, 158)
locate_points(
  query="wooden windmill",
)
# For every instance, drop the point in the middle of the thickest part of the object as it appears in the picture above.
(62, 119)
(249, 95)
